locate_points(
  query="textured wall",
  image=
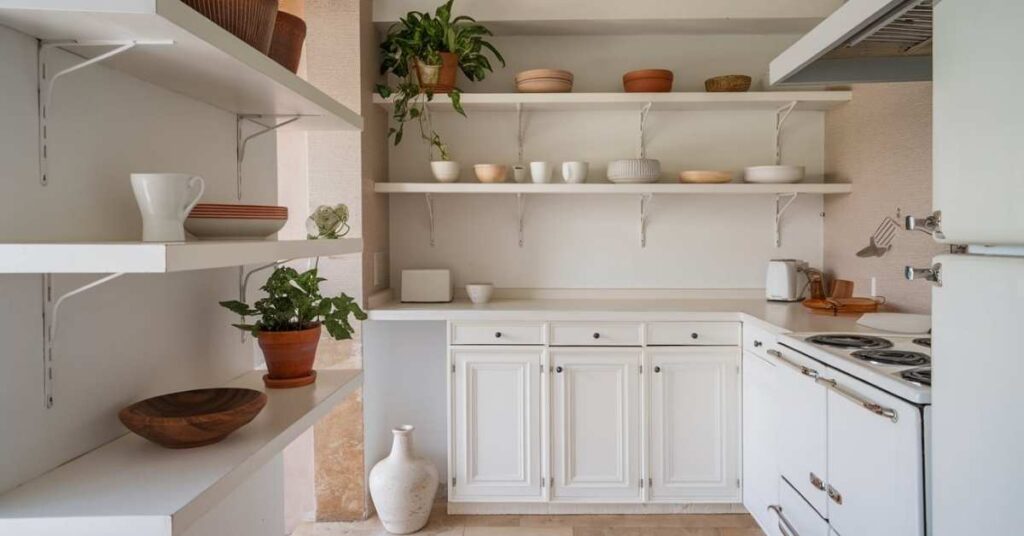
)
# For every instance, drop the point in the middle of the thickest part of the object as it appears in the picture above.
(881, 142)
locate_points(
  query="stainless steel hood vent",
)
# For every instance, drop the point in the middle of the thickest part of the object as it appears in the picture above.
(863, 41)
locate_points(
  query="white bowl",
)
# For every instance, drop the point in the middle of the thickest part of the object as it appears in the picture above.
(233, 228)
(634, 170)
(480, 293)
(445, 170)
(773, 174)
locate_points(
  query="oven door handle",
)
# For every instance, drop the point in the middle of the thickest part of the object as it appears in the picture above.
(785, 527)
(806, 371)
(873, 407)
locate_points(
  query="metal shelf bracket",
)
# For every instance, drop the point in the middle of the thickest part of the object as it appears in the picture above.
(780, 209)
(46, 83)
(645, 211)
(51, 312)
(521, 206)
(430, 216)
(520, 133)
(780, 119)
(643, 125)
(240, 142)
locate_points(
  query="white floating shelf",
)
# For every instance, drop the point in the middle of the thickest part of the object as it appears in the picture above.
(759, 100)
(205, 62)
(132, 486)
(142, 257)
(608, 188)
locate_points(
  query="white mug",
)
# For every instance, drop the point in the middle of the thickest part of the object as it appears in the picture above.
(165, 200)
(575, 172)
(540, 171)
(519, 173)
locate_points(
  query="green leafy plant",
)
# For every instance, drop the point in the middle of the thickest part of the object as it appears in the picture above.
(420, 37)
(294, 303)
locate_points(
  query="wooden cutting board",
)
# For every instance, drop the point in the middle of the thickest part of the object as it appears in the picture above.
(842, 305)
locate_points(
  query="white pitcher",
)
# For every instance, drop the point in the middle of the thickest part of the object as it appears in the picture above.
(165, 200)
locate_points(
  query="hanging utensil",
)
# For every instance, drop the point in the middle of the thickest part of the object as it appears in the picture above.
(881, 241)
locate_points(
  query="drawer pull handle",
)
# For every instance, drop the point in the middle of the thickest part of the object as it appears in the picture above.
(497, 334)
(694, 335)
(785, 527)
(657, 369)
(597, 335)
(806, 371)
(558, 370)
(758, 344)
(834, 495)
(873, 407)
(817, 482)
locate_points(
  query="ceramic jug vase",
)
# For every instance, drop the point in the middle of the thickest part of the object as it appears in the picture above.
(403, 486)
(165, 200)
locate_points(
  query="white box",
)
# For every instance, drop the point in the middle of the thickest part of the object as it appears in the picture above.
(426, 286)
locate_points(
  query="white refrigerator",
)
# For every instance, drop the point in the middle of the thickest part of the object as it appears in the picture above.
(977, 455)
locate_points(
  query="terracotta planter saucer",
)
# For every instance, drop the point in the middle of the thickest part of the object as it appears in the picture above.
(288, 383)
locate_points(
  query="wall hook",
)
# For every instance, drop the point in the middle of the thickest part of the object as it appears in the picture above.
(241, 142)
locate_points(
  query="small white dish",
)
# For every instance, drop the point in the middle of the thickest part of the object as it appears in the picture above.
(233, 228)
(480, 293)
(773, 174)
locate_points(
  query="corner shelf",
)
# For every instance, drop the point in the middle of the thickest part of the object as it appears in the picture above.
(676, 101)
(132, 486)
(201, 60)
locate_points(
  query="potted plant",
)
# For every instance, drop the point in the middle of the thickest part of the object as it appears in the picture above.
(445, 169)
(424, 52)
(289, 324)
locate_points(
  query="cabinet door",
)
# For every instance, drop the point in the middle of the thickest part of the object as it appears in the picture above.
(978, 132)
(760, 469)
(595, 423)
(802, 431)
(496, 407)
(875, 463)
(694, 424)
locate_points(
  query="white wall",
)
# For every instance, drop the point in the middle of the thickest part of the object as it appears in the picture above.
(592, 241)
(137, 336)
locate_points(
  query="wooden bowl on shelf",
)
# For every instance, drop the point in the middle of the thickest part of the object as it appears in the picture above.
(736, 83)
(193, 418)
(705, 176)
(286, 45)
(251, 21)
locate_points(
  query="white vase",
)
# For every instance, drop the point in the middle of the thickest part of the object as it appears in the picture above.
(403, 486)
(445, 170)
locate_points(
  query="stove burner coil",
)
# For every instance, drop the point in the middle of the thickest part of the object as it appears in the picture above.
(859, 342)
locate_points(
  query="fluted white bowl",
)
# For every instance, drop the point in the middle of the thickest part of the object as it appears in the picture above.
(634, 170)
(773, 174)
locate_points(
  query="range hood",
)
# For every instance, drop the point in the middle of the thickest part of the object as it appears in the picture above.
(863, 41)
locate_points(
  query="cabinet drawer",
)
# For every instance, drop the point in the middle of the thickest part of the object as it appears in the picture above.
(757, 341)
(595, 334)
(796, 516)
(504, 333)
(693, 334)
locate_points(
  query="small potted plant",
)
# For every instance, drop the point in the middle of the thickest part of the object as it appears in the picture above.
(289, 324)
(445, 169)
(424, 52)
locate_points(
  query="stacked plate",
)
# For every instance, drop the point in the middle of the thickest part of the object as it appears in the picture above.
(544, 81)
(210, 221)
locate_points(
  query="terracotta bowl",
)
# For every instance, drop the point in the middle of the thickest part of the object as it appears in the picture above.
(194, 418)
(727, 83)
(251, 21)
(648, 81)
(490, 172)
(544, 81)
(286, 44)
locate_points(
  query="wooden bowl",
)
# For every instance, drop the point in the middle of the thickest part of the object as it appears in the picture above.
(544, 81)
(490, 173)
(648, 81)
(702, 176)
(251, 21)
(286, 45)
(194, 418)
(727, 83)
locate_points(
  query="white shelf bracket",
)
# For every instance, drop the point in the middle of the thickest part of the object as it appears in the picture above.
(643, 125)
(521, 207)
(46, 83)
(520, 133)
(51, 313)
(645, 211)
(780, 119)
(780, 209)
(430, 216)
(240, 142)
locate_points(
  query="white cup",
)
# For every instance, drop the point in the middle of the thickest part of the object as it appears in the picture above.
(520, 173)
(540, 171)
(575, 172)
(479, 293)
(165, 200)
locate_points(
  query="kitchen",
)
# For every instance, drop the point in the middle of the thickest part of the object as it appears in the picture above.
(663, 337)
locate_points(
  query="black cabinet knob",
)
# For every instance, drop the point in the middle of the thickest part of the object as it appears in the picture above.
(497, 334)
(558, 369)
(694, 335)
(757, 344)
(657, 369)
(597, 335)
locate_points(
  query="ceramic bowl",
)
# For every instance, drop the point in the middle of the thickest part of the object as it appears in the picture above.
(490, 172)
(194, 418)
(480, 293)
(445, 170)
(773, 174)
(648, 81)
(703, 176)
(544, 81)
(221, 228)
(634, 170)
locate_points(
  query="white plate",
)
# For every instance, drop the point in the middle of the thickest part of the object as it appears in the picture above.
(232, 228)
(773, 174)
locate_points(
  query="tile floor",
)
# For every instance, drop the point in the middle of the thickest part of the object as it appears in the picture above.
(442, 524)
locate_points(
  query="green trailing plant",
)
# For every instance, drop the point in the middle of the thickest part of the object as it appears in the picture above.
(423, 37)
(294, 303)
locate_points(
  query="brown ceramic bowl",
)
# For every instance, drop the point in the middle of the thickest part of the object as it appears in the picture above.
(251, 21)
(286, 45)
(727, 83)
(194, 418)
(648, 81)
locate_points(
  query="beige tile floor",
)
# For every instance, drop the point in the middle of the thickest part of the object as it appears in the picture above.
(442, 524)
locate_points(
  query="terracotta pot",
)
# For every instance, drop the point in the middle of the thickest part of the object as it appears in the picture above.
(438, 78)
(286, 46)
(648, 81)
(289, 356)
(251, 21)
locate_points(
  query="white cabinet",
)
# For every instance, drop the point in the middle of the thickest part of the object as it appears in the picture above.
(874, 461)
(978, 126)
(596, 424)
(694, 423)
(496, 415)
(760, 467)
(802, 425)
